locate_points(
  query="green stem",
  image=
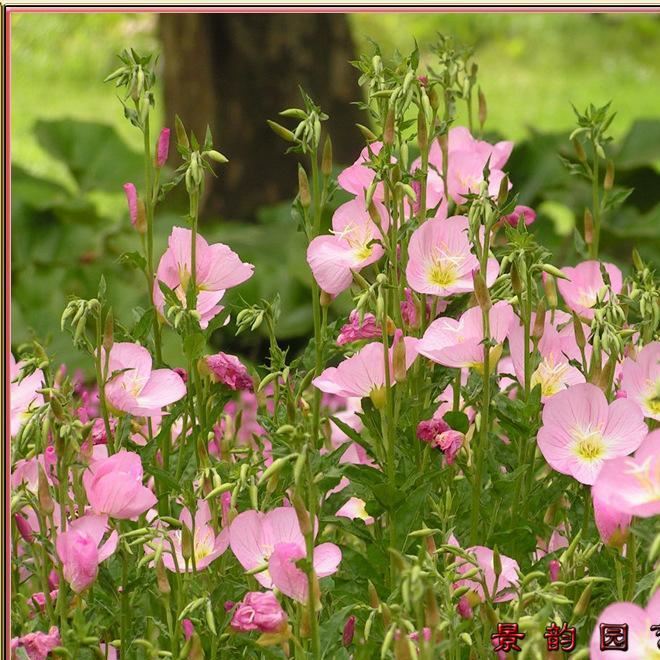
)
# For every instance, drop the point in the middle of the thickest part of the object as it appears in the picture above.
(596, 210)
(632, 566)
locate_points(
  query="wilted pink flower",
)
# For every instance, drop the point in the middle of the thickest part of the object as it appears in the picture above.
(554, 372)
(80, 550)
(134, 387)
(508, 579)
(207, 546)
(356, 330)
(218, 268)
(554, 569)
(585, 282)
(259, 611)
(98, 433)
(449, 444)
(580, 431)
(631, 485)
(464, 608)
(352, 246)
(642, 643)
(132, 200)
(229, 370)
(429, 429)
(641, 380)
(524, 213)
(38, 645)
(163, 147)
(357, 178)
(188, 628)
(459, 343)
(256, 537)
(363, 374)
(440, 260)
(612, 524)
(114, 486)
(38, 600)
(23, 396)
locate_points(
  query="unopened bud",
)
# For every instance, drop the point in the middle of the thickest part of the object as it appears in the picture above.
(374, 601)
(388, 129)
(161, 578)
(302, 515)
(108, 331)
(187, 544)
(280, 130)
(23, 527)
(303, 188)
(46, 504)
(325, 298)
(181, 135)
(162, 147)
(399, 357)
(588, 227)
(481, 291)
(637, 260)
(497, 562)
(368, 135)
(579, 150)
(326, 159)
(216, 156)
(516, 282)
(582, 606)
(550, 288)
(554, 569)
(374, 214)
(483, 108)
(349, 631)
(431, 614)
(503, 191)
(539, 321)
(403, 647)
(578, 330)
(422, 132)
(608, 181)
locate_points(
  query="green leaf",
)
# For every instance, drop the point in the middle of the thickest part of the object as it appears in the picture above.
(194, 345)
(457, 420)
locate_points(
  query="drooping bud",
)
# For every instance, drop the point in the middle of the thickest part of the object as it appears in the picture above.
(46, 504)
(326, 159)
(23, 527)
(349, 631)
(483, 107)
(582, 606)
(550, 288)
(302, 515)
(539, 321)
(579, 150)
(578, 331)
(163, 147)
(303, 188)
(388, 129)
(481, 291)
(608, 181)
(161, 578)
(280, 130)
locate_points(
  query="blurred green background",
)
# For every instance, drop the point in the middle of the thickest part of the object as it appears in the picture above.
(69, 222)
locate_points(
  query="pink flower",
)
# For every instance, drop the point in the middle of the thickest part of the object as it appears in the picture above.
(612, 525)
(632, 485)
(81, 552)
(642, 643)
(506, 584)
(459, 343)
(218, 268)
(255, 537)
(349, 631)
(410, 309)
(585, 281)
(23, 395)
(357, 329)
(580, 431)
(440, 261)
(163, 147)
(355, 508)
(429, 429)
(449, 443)
(38, 645)
(229, 370)
(134, 387)
(641, 380)
(554, 570)
(132, 201)
(525, 213)
(358, 177)
(554, 372)
(207, 547)
(352, 246)
(363, 374)
(259, 611)
(114, 486)
(464, 608)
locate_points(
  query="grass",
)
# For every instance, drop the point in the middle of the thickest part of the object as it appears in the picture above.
(532, 66)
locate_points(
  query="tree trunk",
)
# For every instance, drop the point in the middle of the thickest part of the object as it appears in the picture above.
(235, 71)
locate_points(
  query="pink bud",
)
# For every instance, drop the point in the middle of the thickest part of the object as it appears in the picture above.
(621, 394)
(524, 213)
(188, 628)
(132, 200)
(349, 631)
(163, 147)
(182, 373)
(554, 567)
(463, 608)
(23, 527)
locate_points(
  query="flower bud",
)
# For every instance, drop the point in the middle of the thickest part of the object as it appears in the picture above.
(579, 150)
(554, 569)
(399, 357)
(181, 135)
(325, 298)
(161, 578)
(588, 227)
(516, 282)
(302, 515)
(497, 562)
(483, 108)
(422, 132)
(637, 260)
(349, 631)
(163, 147)
(388, 129)
(481, 291)
(368, 135)
(23, 527)
(187, 546)
(303, 188)
(539, 321)
(608, 181)
(578, 331)
(108, 331)
(431, 614)
(374, 600)
(280, 130)
(46, 505)
(216, 156)
(582, 606)
(464, 609)
(326, 159)
(550, 288)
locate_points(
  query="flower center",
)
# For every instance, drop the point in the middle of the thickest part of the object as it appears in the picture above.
(442, 273)
(589, 445)
(363, 252)
(551, 376)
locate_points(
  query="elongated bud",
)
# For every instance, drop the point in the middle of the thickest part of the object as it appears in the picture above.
(554, 569)
(108, 331)
(422, 132)
(349, 631)
(516, 282)
(302, 515)
(187, 546)
(368, 135)
(374, 214)
(23, 527)
(582, 606)
(637, 260)
(161, 578)
(579, 150)
(434, 101)
(374, 601)
(326, 159)
(280, 130)
(539, 321)
(608, 181)
(388, 130)
(325, 298)
(303, 188)
(578, 330)
(215, 155)
(378, 397)
(481, 291)
(196, 649)
(162, 147)
(483, 108)
(588, 227)
(503, 192)
(402, 645)
(399, 357)
(550, 288)
(497, 562)
(431, 613)
(46, 505)
(181, 135)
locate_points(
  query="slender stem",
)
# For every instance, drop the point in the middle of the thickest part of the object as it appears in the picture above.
(596, 210)
(457, 391)
(632, 566)
(101, 375)
(125, 608)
